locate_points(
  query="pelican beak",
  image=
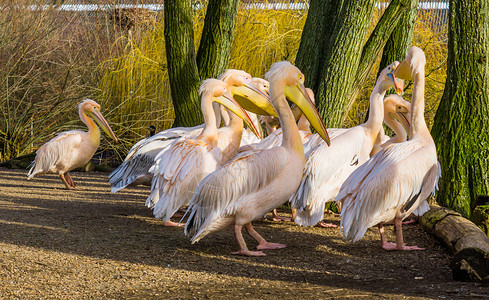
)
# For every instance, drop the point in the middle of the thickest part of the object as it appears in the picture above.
(299, 96)
(403, 118)
(254, 100)
(404, 70)
(398, 84)
(100, 120)
(229, 102)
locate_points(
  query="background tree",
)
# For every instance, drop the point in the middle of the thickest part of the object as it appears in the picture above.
(461, 128)
(340, 67)
(185, 69)
(182, 65)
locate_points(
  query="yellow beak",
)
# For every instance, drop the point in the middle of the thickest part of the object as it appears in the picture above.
(96, 115)
(404, 119)
(229, 102)
(252, 99)
(298, 95)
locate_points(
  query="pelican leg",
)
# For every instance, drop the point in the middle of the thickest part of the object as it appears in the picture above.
(262, 243)
(69, 179)
(64, 178)
(385, 244)
(399, 240)
(242, 244)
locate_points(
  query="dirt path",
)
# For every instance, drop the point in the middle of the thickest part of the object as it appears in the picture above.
(93, 244)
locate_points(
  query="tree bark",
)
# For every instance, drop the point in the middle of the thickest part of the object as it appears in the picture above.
(461, 125)
(182, 66)
(217, 37)
(401, 38)
(341, 57)
(315, 35)
(383, 32)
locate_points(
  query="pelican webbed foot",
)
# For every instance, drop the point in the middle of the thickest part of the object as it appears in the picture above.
(172, 224)
(326, 225)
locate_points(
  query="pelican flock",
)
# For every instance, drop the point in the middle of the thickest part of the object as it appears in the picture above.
(229, 176)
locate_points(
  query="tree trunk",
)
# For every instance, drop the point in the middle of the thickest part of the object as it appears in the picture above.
(217, 37)
(316, 33)
(401, 38)
(461, 125)
(341, 57)
(182, 67)
(383, 32)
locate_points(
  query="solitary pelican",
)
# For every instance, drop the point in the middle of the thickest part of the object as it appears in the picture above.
(135, 168)
(178, 169)
(247, 188)
(72, 149)
(396, 180)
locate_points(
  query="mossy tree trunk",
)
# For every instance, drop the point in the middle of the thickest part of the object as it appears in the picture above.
(217, 37)
(461, 128)
(182, 65)
(341, 64)
(401, 38)
(185, 68)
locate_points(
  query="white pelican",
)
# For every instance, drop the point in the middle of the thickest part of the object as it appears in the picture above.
(247, 188)
(135, 168)
(396, 180)
(72, 149)
(178, 169)
(328, 167)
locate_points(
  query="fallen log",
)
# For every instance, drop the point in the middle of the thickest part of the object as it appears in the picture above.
(468, 244)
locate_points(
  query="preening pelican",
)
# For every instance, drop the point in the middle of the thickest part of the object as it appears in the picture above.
(396, 180)
(72, 149)
(178, 169)
(247, 188)
(135, 168)
(328, 167)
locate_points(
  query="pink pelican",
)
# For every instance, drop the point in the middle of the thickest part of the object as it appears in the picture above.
(178, 169)
(69, 150)
(247, 188)
(400, 177)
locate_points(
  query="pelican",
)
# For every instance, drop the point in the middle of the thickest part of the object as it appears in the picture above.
(72, 149)
(247, 188)
(328, 167)
(179, 168)
(396, 180)
(135, 168)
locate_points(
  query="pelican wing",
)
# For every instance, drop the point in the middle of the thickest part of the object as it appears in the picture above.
(397, 179)
(142, 155)
(56, 150)
(218, 195)
(327, 167)
(176, 173)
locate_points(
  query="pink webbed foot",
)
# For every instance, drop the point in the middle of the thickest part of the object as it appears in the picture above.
(270, 246)
(412, 221)
(393, 246)
(172, 224)
(326, 225)
(247, 252)
(281, 219)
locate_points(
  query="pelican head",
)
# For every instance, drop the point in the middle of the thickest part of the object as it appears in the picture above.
(397, 109)
(261, 84)
(246, 94)
(387, 79)
(217, 89)
(295, 91)
(92, 110)
(412, 64)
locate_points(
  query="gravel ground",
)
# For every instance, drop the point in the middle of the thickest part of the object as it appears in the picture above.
(56, 243)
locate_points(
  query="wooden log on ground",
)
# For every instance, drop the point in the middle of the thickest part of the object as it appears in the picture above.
(465, 241)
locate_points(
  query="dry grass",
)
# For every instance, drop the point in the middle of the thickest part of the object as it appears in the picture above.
(51, 60)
